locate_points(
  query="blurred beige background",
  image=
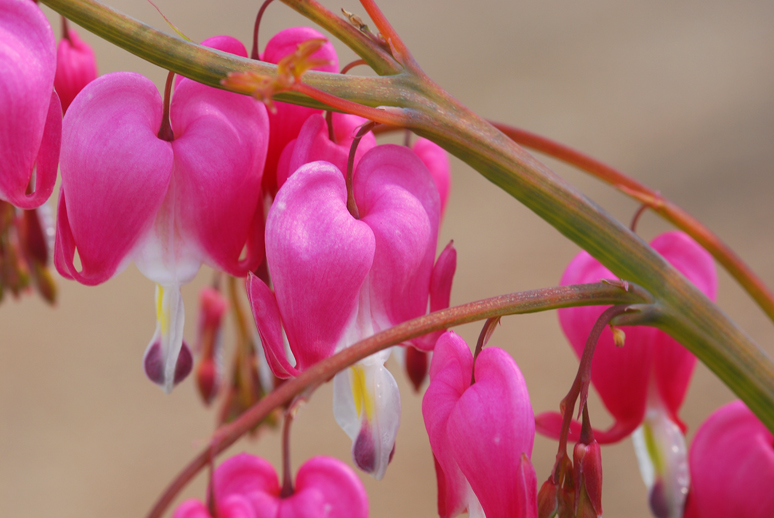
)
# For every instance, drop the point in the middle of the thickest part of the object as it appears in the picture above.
(677, 94)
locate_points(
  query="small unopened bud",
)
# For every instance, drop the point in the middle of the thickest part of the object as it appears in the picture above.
(209, 343)
(417, 365)
(588, 480)
(557, 499)
(619, 337)
(76, 67)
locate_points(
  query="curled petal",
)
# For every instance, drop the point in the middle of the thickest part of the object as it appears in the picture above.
(30, 113)
(366, 404)
(269, 324)
(313, 241)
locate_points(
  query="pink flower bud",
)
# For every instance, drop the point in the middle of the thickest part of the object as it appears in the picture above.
(76, 67)
(587, 460)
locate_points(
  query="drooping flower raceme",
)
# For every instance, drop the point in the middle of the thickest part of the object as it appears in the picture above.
(644, 382)
(76, 67)
(30, 113)
(246, 486)
(338, 279)
(481, 434)
(732, 466)
(169, 206)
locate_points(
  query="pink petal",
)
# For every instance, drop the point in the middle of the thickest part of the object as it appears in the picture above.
(76, 66)
(450, 372)
(220, 149)
(287, 121)
(398, 200)
(319, 256)
(437, 161)
(115, 174)
(251, 478)
(326, 487)
(269, 324)
(732, 466)
(489, 430)
(30, 125)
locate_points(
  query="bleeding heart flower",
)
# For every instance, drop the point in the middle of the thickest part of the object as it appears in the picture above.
(30, 113)
(437, 161)
(481, 434)
(287, 121)
(76, 67)
(644, 382)
(338, 279)
(732, 466)
(168, 205)
(245, 486)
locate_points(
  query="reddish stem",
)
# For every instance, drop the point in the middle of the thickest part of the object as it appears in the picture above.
(351, 204)
(486, 333)
(350, 66)
(287, 470)
(254, 53)
(66, 31)
(637, 215)
(580, 385)
(165, 132)
(514, 303)
(393, 117)
(385, 28)
(329, 120)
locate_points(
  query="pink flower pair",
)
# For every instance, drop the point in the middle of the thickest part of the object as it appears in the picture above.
(246, 486)
(481, 434)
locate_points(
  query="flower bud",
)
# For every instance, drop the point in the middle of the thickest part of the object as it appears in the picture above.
(588, 480)
(209, 344)
(76, 67)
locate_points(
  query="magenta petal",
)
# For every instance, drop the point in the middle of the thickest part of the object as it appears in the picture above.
(220, 148)
(269, 324)
(732, 466)
(251, 478)
(398, 200)
(319, 256)
(490, 429)
(76, 66)
(437, 161)
(115, 171)
(450, 373)
(28, 110)
(288, 119)
(326, 487)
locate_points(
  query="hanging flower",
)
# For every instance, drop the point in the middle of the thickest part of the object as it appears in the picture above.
(339, 279)
(643, 383)
(481, 434)
(168, 205)
(30, 113)
(246, 486)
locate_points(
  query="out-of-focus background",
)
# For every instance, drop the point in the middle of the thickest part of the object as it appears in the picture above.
(676, 94)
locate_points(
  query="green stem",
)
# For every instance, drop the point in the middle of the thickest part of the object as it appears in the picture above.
(686, 313)
(602, 293)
